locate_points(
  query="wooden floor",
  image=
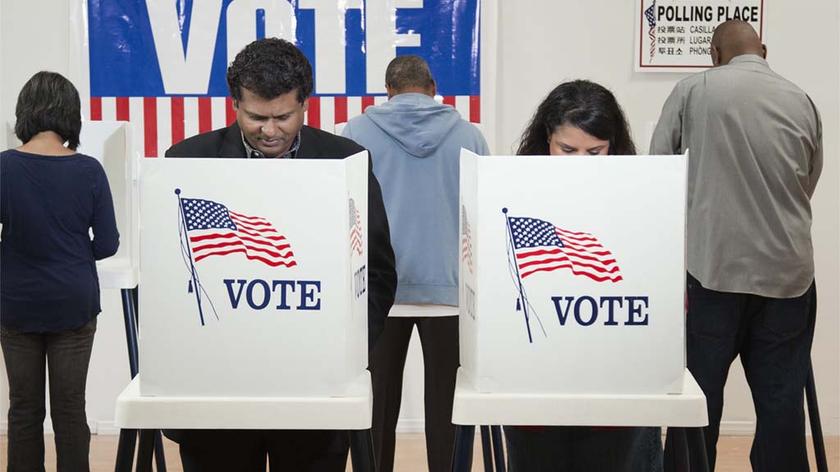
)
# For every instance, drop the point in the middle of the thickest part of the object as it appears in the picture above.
(733, 452)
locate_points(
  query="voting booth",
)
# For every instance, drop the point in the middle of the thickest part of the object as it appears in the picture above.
(253, 276)
(110, 143)
(572, 274)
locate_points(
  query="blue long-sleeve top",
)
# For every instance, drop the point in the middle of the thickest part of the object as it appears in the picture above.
(48, 205)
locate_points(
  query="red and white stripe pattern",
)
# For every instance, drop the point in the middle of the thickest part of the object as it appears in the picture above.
(586, 256)
(214, 230)
(542, 247)
(466, 241)
(160, 122)
(356, 239)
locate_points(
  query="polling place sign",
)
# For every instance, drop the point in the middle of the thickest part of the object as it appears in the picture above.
(572, 274)
(676, 35)
(161, 64)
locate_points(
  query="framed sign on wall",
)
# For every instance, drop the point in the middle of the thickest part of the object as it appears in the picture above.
(676, 35)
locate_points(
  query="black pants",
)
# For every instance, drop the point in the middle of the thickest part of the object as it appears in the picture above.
(247, 450)
(439, 338)
(773, 337)
(68, 355)
(583, 449)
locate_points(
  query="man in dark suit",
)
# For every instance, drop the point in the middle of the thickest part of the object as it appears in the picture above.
(269, 82)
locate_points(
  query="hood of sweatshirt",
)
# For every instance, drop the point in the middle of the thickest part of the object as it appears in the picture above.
(415, 121)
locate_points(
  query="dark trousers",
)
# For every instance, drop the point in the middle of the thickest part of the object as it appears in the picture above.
(773, 338)
(26, 356)
(439, 339)
(583, 449)
(248, 450)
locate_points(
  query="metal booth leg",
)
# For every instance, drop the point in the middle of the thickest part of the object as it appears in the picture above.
(151, 441)
(361, 451)
(146, 450)
(125, 450)
(486, 448)
(160, 459)
(462, 457)
(128, 437)
(498, 448)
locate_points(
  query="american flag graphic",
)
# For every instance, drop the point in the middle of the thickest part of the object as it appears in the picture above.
(466, 240)
(540, 246)
(651, 19)
(214, 230)
(356, 239)
(160, 122)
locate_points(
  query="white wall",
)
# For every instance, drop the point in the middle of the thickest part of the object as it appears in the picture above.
(540, 43)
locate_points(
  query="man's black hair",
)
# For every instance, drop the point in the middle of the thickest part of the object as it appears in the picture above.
(270, 67)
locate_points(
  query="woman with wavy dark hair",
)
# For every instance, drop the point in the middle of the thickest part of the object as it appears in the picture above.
(581, 107)
(51, 197)
(580, 118)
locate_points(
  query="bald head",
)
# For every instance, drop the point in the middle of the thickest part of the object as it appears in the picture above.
(409, 74)
(733, 38)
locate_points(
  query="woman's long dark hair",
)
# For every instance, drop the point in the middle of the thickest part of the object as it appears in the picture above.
(582, 104)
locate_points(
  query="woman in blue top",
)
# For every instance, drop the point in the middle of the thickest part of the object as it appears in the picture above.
(580, 118)
(50, 199)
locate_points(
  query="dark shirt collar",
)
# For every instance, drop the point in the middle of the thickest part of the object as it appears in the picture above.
(252, 153)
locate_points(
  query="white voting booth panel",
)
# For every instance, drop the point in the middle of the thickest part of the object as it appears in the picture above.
(572, 274)
(253, 277)
(110, 143)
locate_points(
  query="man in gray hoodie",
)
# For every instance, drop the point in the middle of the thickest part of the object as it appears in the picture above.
(415, 144)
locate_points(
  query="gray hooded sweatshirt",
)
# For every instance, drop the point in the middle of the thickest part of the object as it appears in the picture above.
(415, 144)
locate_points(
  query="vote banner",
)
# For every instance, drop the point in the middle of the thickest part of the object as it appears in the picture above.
(676, 35)
(161, 64)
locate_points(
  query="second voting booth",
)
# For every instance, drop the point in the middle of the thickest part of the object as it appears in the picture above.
(572, 274)
(572, 282)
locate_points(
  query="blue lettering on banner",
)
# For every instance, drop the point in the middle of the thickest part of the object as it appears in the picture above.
(154, 48)
(259, 293)
(587, 310)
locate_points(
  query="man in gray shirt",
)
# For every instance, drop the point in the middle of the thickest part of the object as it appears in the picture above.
(755, 155)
